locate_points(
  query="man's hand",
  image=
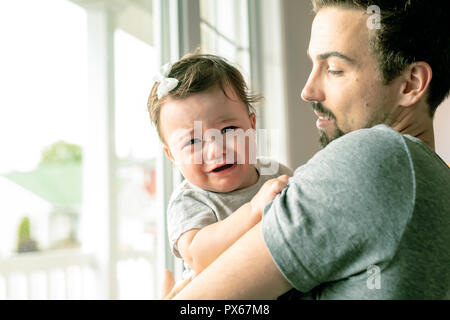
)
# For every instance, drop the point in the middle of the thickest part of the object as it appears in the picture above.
(170, 289)
(267, 193)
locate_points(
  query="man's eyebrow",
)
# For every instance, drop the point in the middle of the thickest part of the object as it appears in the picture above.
(336, 54)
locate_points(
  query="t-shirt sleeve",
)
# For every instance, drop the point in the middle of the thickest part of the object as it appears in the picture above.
(186, 212)
(344, 210)
(285, 170)
(270, 167)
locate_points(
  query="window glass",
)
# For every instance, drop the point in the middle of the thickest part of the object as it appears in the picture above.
(137, 147)
(224, 31)
(42, 124)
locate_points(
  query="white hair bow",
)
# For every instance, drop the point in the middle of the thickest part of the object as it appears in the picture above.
(165, 84)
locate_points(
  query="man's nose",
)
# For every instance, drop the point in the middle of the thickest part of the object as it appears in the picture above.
(313, 91)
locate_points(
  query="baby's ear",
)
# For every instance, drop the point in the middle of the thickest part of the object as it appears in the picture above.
(168, 153)
(253, 120)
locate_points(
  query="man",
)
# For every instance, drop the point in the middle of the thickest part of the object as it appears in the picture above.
(368, 217)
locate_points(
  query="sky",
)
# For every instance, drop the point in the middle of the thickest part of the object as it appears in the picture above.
(42, 79)
(43, 83)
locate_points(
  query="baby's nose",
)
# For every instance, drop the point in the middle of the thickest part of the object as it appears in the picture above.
(214, 151)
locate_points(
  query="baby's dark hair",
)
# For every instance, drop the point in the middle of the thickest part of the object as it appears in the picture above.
(198, 73)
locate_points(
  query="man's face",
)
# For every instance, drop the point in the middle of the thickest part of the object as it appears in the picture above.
(344, 86)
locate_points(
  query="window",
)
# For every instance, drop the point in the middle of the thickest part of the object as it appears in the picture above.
(224, 31)
(121, 205)
(83, 178)
(43, 103)
(136, 149)
(79, 175)
(43, 109)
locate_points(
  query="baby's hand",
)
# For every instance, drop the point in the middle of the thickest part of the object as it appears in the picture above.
(267, 193)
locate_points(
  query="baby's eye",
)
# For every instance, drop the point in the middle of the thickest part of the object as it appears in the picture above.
(192, 141)
(228, 129)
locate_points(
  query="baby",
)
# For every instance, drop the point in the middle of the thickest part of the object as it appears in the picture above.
(202, 111)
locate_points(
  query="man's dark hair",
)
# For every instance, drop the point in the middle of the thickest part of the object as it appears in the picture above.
(411, 31)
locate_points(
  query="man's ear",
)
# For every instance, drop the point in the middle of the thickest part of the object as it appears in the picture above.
(253, 120)
(416, 82)
(168, 153)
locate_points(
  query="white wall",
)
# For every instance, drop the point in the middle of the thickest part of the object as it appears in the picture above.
(303, 139)
(286, 28)
(442, 130)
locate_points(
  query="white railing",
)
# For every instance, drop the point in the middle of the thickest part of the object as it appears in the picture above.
(71, 274)
(137, 275)
(64, 274)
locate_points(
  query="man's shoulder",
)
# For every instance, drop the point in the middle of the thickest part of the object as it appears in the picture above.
(370, 139)
(372, 145)
(361, 155)
(383, 145)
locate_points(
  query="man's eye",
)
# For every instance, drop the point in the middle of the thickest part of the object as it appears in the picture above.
(228, 129)
(335, 72)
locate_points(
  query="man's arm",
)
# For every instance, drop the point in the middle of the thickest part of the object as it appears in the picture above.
(200, 247)
(244, 271)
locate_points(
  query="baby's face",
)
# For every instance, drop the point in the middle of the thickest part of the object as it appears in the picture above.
(201, 139)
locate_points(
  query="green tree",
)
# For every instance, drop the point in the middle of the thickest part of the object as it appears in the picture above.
(24, 229)
(61, 152)
(24, 241)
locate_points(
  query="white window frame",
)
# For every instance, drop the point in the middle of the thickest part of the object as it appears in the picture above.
(99, 185)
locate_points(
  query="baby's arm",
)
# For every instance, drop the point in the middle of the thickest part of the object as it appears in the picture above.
(200, 247)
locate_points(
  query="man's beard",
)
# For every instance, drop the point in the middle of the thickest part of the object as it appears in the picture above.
(323, 138)
(374, 119)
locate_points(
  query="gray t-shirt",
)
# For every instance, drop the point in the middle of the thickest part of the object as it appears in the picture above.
(191, 207)
(368, 217)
